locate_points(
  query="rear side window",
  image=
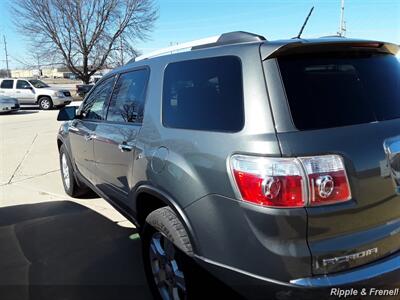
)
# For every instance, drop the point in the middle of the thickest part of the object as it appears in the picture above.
(341, 89)
(204, 94)
(7, 84)
(127, 100)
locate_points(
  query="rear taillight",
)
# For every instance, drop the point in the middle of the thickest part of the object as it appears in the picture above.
(269, 181)
(291, 182)
(327, 179)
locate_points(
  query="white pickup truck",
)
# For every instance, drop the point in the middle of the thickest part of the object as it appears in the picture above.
(33, 91)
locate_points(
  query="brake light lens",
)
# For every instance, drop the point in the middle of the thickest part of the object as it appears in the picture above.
(367, 45)
(291, 182)
(327, 179)
(269, 181)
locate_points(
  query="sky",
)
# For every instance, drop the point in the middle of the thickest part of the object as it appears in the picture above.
(185, 20)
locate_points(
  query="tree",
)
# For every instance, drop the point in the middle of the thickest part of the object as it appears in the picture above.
(4, 73)
(84, 34)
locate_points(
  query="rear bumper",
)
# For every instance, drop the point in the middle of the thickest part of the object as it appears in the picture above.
(261, 253)
(259, 240)
(9, 107)
(362, 274)
(382, 275)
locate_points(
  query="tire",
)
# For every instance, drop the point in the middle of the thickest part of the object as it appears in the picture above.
(164, 230)
(71, 186)
(45, 103)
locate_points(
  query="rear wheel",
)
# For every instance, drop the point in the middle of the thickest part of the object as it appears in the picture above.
(165, 245)
(45, 103)
(71, 186)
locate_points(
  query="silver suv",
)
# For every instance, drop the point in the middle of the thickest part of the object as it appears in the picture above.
(33, 91)
(273, 165)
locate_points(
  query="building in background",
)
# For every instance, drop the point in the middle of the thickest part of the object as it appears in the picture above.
(43, 73)
(51, 73)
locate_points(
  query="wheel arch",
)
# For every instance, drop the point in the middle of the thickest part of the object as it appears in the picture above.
(149, 198)
(40, 96)
(64, 141)
(60, 142)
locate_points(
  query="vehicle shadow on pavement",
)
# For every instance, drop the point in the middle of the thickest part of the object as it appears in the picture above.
(27, 109)
(63, 250)
(21, 112)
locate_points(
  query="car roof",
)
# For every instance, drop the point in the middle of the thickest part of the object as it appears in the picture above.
(268, 48)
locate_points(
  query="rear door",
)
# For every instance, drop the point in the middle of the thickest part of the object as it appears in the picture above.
(7, 88)
(114, 146)
(348, 104)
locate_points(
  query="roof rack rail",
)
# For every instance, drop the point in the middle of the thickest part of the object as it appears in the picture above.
(332, 36)
(234, 37)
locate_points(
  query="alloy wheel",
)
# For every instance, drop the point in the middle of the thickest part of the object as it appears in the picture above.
(167, 275)
(65, 171)
(45, 103)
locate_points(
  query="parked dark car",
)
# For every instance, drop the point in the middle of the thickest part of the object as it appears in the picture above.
(8, 104)
(273, 165)
(83, 89)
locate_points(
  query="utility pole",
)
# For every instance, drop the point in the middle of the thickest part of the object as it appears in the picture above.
(173, 44)
(39, 72)
(342, 26)
(5, 49)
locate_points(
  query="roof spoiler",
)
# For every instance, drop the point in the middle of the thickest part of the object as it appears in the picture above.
(304, 46)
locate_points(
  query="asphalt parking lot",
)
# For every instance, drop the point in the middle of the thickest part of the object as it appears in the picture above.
(53, 246)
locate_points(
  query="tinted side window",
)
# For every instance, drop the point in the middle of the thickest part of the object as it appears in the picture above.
(22, 84)
(93, 107)
(7, 84)
(127, 101)
(204, 94)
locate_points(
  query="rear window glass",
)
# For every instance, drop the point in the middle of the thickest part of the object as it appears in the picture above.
(341, 89)
(204, 94)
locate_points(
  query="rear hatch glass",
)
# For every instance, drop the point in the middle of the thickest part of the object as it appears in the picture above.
(333, 90)
(348, 104)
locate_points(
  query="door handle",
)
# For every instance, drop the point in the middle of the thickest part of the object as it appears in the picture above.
(73, 128)
(124, 147)
(18, 92)
(89, 137)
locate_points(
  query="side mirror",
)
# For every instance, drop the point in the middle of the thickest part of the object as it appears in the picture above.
(67, 113)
